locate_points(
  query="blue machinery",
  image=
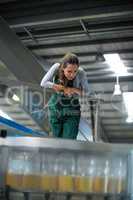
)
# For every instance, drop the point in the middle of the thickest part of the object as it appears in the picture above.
(19, 127)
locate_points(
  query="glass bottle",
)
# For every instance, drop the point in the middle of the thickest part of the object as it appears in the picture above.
(117, 182)
(99, 181)
(66, 172)
(31, 169)
(106, 176)
(121, 176)
(15, 169)
(49, 171)
(85, 173)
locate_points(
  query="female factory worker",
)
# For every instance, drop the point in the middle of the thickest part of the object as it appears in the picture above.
(68, 81)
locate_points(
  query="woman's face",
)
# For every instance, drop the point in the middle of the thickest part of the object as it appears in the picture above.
(70, 71)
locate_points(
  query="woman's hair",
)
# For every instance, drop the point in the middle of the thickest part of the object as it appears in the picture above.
(69, 58)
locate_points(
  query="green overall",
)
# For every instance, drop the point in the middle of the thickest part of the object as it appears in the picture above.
(64, 115)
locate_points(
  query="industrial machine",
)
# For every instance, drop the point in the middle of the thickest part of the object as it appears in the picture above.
(47, 168)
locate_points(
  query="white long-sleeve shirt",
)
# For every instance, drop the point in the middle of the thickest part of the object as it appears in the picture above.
(79, 82)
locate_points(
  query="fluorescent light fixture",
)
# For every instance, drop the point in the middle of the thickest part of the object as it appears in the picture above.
(128, 99)
(117, 90)
(15, 97)
(3, 114)
(129, 120)
(115, 63)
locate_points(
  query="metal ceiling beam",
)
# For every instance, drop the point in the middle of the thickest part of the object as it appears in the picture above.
(111, 114)
(108, 119)
(101, 111)
(112, 122)
(97, 67)
(50, 32)
(112, 117)
(106, 73)
(109, 79)
(120, 133)
(105, 92)
(118, 127)
(68, 12)
(82, 54)
(76, 28)
(17, 58)
(81, 43)
(121, 140)
(68, 36)
(30, 35)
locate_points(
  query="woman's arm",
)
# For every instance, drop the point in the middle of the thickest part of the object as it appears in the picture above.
(47, 79)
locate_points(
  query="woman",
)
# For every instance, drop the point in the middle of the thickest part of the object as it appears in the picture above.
(68, 81)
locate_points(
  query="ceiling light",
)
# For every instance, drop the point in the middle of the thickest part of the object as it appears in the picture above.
(128, 99)
(117, 89)
(15, 97)
(115, 63)
(129, 120)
